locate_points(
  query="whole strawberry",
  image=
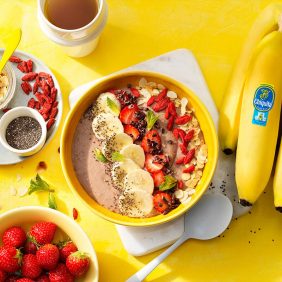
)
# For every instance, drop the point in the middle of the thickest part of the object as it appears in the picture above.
(10, 259)
(25, 280)
(30, 266)
(43, 278)
(48, 256)
(60, 274)
(3, 276)
(43, 232)
(30, 248)
(66, 249)
(14, 236)
(78, 263)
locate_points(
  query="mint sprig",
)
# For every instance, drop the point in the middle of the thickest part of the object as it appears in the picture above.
(113, 106)
(169, 183)
(99, 156)
(117, 157)
(38, 185)
(151, 119)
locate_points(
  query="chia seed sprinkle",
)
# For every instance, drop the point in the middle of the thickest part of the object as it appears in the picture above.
(23, 133)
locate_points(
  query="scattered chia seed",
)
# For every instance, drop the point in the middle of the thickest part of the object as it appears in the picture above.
(23, 133)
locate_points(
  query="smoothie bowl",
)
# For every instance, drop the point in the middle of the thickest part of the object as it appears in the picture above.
(139, 148)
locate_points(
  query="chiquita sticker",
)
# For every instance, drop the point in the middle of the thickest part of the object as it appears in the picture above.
(263, 102)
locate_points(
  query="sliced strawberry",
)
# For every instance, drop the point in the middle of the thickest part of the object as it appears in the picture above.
(151, 141)
(132, 131)
(162, 202)
(158, 178)
(127, 114)
(151, 165)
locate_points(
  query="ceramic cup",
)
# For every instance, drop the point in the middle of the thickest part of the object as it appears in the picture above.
(75, 42)
(19, 112)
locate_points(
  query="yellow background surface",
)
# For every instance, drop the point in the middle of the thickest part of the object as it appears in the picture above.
(250, 250)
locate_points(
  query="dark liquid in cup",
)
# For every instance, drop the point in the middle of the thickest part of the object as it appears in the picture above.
(70, 14)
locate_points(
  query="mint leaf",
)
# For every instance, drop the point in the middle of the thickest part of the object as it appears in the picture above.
(151, 119)
(169, 183)
(38, 185)
(99, 156)
(117, 157)
(113, 106)
(52, 201)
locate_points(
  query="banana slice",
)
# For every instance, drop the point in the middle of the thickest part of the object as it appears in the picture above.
(135, 153)
(102, 105)
(139, 179)
(136, 203)
(115, 143)
(105, 125)
(120, 170)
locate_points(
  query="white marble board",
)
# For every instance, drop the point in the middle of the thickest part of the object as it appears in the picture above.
(181, 65)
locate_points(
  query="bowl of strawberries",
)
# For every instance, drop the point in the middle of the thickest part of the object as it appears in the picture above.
(40, 244)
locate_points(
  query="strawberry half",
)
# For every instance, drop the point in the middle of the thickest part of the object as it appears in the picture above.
(14, 236)
(132, 131)
(78, 263)
(158, 178)
(43, 232)
(151, 165)
(151, 141)
(162, 202)
(127, 114)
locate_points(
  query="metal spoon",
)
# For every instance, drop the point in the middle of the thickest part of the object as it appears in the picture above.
(208, 219)
(11, 41)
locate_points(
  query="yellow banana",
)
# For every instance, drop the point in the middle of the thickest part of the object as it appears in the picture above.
(229, 115)
(259, 119)
(277, 182)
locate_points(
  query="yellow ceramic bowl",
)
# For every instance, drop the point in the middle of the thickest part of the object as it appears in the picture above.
(121, 80)
(67, 228)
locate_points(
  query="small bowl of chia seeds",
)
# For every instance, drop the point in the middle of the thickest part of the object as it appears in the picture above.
(23, 131)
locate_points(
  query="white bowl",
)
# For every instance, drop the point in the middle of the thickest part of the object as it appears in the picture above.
(26, 216)
(18, 112)
(11, 87)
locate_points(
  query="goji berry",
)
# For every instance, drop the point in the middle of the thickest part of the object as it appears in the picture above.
(46, 90)
(180, 184)
(55, 104)
(22, 67)
(172, 109)
(6, 110)
(39, 97)
(53, 94)
(29, 76)
(189, 135)
(31, 103)
(180, 160)
(45, 116)
(26, 87)
(175, 133)
(189, 156)
(50, 82)
(135, 92)
(46, 108)
(46, 99)
(161, 105)
(167, 113)
(161, 95)
(35, 87)
(183, 148)
(15, 59)
(181, 134)
(29, 64)
(151, 101)
(54, 112)
(183, 119)
(37, 105)
(189, 169)
(74, 213)
(44, 75)
(170, 123)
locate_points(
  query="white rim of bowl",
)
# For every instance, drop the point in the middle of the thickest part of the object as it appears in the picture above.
(12, 84)
(100, 4)
(37, 116)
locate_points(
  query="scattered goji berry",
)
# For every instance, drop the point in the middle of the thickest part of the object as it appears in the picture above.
(26, 87)
(161, 105)
(170, 123)
(44, 75)
(151, 101)
(74, 213)
(55, 104)
(183, 148)
(50, 122)
(35, 87)
(189, 156)
(172, 109)
(183, 119)
(38, 95)
(22, 67)
(167, 113)
(45, 116)
(189, 169)
(175, 133)
(53, 94)
(54, 112)
(29, 64)
(15, 59)
(46, 108)
(37, 105)
(189, 135)
(46, 90)
(180, 184)
(31, 103)
(181, 134)
(180, 160)
(161, 95)
(135, 92)
(50, 82)
(29, 76)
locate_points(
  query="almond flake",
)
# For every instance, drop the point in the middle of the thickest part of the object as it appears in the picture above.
(142, 82)
(183, 103)
(160, 86)
(152, 84)
(178, 194)
(185, 176)
(171, 94)
(191, 192)
(155, 92)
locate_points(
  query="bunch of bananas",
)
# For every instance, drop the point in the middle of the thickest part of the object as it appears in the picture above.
(250, 114)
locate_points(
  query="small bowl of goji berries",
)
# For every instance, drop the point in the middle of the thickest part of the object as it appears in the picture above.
(41, 244)
(7, 85)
